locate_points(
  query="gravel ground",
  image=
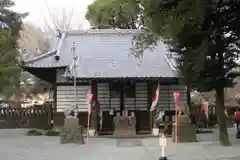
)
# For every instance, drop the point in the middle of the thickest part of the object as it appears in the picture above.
(15, 145)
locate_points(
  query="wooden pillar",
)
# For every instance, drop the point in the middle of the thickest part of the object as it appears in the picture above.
(54, 105)
(149, 91)
(54, 87)
(189, 99)
(94, 88)
(110, 95)
(122, 107)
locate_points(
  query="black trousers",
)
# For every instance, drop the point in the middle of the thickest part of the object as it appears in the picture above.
(237, 124)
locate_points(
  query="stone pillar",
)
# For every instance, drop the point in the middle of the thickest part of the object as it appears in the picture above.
(186, 131)
(71, 132)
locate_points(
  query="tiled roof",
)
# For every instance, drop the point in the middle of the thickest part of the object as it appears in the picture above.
(44, 61)
(116, 67)
(107, 53)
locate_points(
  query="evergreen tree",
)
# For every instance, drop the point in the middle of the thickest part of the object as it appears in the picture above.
(11, 23)
(123, 14)
(205, 35)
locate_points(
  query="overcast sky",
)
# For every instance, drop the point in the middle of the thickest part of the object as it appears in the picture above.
(38, 10)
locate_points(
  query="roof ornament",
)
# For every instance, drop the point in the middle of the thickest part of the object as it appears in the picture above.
(140, 61)
(59, 34)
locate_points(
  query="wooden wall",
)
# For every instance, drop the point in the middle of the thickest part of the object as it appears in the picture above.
(104, 98)
(65, 97)
(141, 96)
(138, 102)
(166, 99)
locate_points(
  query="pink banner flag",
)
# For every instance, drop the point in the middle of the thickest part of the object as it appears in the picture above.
(89, 96)
(176, 96)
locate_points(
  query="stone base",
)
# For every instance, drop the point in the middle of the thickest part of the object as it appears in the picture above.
(155, 131)
(128, 131)
(71, 132)
(186, 133)
(92, 132)
(163, 158)
(238, 135)
(3, 124)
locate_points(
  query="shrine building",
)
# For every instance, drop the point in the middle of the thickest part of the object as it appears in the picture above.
(119, 80)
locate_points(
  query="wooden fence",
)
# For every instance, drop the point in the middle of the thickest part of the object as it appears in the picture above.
(200, 119)
(26, 117)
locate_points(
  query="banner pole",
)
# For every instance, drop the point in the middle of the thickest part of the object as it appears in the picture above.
(88, 123)
(176, 127)
(176, 102)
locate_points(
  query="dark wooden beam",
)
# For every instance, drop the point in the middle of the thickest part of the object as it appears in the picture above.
(189, 98)
(94, 88)
(46, 74)
(71, 83)
(54, 87)
(163, 80)
(150, 96)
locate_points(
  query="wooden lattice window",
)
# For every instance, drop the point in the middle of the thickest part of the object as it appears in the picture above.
(130, 90)
(115, 89)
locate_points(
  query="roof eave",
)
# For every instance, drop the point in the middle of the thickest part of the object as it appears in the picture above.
(135, 78)
(53, 52)
(25, 67)
(42, 56)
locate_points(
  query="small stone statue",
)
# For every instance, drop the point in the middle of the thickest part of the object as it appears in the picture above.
(182, 108)
(132, 119)
(183, 113)
(70, 112)
(159, 118)
(117, 118)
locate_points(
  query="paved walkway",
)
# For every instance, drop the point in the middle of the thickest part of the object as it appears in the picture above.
(14, 145)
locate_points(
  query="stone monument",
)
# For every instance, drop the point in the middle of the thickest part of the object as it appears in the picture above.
(186, 132)
(125, 126)
(71, 132)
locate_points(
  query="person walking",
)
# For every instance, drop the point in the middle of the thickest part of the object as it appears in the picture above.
(237, 119)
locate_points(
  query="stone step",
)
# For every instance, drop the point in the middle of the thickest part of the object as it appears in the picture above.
(125, 127)
(124, 131)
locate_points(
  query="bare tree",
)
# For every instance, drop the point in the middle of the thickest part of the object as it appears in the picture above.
(32, 42)
(61, 21)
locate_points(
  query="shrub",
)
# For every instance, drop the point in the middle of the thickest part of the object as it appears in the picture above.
(52, 133)
(34, 132)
